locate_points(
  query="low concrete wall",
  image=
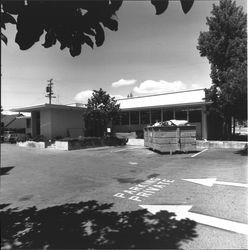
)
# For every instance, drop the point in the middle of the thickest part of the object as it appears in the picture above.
(62, 145)
(220, 144)
(31, 144)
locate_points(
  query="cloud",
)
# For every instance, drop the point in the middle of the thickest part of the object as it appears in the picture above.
(83, 96)
(123, 82)
(118, 96)
(158, 87)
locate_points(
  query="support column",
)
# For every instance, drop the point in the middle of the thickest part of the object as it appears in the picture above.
(34, 124)
(204, 125)
(129, 118)
(150, 116)
(162, 115)
(188, 114)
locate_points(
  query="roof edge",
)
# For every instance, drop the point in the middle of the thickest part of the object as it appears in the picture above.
(166, 93)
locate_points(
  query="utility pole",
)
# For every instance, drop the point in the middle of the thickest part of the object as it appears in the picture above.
(49, 90)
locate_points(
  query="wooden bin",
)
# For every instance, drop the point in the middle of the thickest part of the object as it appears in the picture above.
(170, 138)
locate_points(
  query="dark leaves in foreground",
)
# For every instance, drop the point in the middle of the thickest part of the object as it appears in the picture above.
(72, 23)
(161, 5)
(90, 225)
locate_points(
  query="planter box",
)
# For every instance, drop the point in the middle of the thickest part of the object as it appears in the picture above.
(31, 144)
(170, 138)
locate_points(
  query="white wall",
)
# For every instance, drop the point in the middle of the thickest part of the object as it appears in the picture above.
(45, 123)
(67, 121)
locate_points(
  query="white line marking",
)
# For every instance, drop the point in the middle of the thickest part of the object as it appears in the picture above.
(132, 163)
(211, 181)
(182, 212)
(126, 149)
(199, 152)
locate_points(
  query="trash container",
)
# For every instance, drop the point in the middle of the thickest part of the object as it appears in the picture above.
(170, 139)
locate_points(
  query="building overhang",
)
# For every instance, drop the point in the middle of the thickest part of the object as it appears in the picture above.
(170, 106)
(48, 107)
(170, 99)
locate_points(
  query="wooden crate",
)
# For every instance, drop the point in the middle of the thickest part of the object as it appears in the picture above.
(170, 138)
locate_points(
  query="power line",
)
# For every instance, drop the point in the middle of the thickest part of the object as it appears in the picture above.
(49, 91)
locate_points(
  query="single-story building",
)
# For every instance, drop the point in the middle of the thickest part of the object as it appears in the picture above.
(51, 120)
(138, 112)
(16, 122)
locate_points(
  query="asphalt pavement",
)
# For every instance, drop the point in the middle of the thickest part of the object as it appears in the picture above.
(132, 176)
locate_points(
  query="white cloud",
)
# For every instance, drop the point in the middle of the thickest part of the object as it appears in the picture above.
(83, 96)
(118, 96)
(157, 87)
(123, 82)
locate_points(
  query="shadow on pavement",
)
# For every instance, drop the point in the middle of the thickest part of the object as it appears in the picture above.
(5, 170)
(89, 225)
(243, 152)
(129, 180)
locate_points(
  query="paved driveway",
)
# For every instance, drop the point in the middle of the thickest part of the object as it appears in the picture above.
(131, 176)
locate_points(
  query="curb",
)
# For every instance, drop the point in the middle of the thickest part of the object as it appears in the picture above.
(221, 144)
(201, 144)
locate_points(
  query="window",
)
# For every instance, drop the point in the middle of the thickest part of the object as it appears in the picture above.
(156, 115)
(181, 115)
(116, 120)
(195, 116)
(134, 117)
(125, 118)
(28, 123)
(168, 115)
(145, 117)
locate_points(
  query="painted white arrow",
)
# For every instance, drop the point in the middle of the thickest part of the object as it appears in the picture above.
(182, 212)
(211, 181)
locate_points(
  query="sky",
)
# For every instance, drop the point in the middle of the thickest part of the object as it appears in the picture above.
(149, 54)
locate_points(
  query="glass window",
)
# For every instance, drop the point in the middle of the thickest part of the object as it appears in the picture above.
(125, 118)
(168, 115)
(134, 117)
(116, 120)
(195, 116)
(145, 117)
(156, 115)
(181, 114)
(28, 123)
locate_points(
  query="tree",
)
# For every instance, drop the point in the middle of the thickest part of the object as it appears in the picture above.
(100, 109)
(225, 46)
(72, 23)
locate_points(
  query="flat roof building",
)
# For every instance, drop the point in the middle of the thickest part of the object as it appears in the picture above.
(138, 112)
(51, 120)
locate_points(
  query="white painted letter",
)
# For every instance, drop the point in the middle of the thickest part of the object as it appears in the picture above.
(120, 195)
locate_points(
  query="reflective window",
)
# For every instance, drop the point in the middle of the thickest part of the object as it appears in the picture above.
(116, 120)
(168, 115)
(195, 116)
(125, 118)
(156, 115)
(145, 117)
(181, 115)
(134, 117)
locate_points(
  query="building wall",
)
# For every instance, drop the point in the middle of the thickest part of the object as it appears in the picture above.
(46, 123)
(67, 123)
(35, 130)
(135, 121)
(17, 124)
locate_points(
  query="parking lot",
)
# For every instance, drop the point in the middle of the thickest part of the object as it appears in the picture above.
(130, 176)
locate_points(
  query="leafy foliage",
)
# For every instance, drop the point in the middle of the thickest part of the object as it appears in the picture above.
(225, 46)
(101, 108)
(71, 23)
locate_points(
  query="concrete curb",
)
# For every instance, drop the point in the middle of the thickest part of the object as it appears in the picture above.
(201, 144)
(221, 144)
